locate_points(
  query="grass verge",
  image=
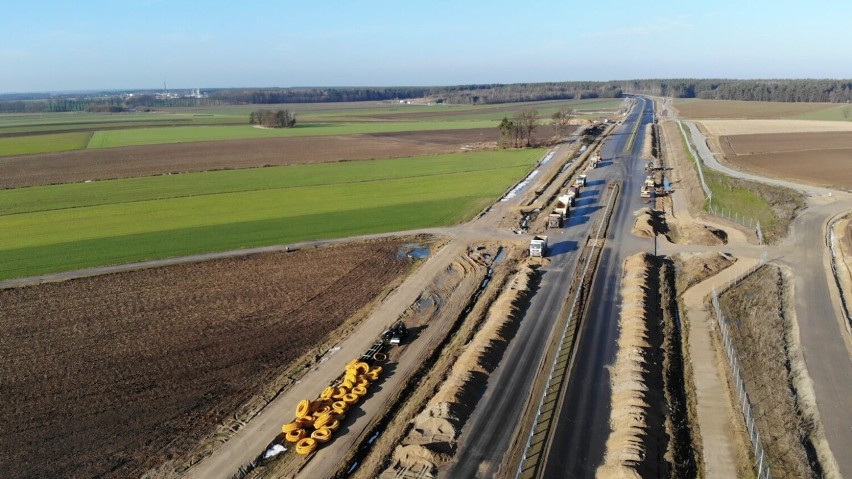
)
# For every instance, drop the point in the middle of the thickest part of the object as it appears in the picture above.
(772, 206)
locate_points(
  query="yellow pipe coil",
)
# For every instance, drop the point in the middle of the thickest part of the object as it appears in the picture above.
(322, 434)
(304, 408)
(380, 357)
(362, 367)
(327, 392)
(334, 425)
(322, 411)
(339, 407)
(359, 390)
(323, 420)
(306, 446)
(376, 370)
(350, 399)
(296, 435)
(305, 421)
(290, 426)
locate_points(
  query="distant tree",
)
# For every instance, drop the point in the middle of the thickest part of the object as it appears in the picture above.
(526, 121)
(561, 120)
(509, 133)
(273, 119)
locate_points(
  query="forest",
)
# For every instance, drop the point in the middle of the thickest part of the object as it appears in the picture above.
(806, 90)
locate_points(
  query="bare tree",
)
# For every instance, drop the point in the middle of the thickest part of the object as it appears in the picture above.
(527, 121)
(561, 119)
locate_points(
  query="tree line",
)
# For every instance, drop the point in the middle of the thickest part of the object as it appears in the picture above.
(273, 119)
(835, 91)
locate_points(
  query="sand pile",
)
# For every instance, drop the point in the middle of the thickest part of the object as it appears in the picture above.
(432, 437)
(687, 232)
(625, 448)
(649, 223)
(648, 145)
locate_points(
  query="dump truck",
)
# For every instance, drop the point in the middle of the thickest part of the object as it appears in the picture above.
(581, 180)
(596, 158)
(563, 205)
(555, 220)
(575, 192)
(538, 246)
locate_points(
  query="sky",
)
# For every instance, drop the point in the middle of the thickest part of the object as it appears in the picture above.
(142, 44)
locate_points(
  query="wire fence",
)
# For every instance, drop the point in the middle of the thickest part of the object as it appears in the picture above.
(761, 461)
(717, 211)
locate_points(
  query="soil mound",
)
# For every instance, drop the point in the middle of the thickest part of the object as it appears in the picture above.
(649, 223)
(626, 445)
(432, 437)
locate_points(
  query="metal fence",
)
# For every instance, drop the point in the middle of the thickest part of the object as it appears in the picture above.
(720, 212)
(761, 461)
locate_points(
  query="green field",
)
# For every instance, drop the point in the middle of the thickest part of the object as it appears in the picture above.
(180, 134)
(30, 144)
(64, 227)
(22, 133)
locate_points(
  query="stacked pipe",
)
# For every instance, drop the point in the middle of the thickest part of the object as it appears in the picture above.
(317, 420)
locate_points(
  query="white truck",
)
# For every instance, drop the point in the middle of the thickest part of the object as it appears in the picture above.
(538, 246)
(581, 180)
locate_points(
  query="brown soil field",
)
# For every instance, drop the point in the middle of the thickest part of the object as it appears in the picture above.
(754, 127)
(745, 109)
(76, 166)
(822, 158)
(110, 376)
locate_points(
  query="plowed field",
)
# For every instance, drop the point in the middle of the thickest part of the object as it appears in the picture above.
(110, 376)
(76, 166)
(823, 158)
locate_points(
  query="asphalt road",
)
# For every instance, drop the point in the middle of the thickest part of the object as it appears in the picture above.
(578, 442)
(484, 439)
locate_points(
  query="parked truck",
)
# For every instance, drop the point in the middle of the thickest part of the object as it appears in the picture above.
(538, 246)
(555, 219)
(563, 205)
(596, 158)
(648, 188)
(574, 191)
(581, 180)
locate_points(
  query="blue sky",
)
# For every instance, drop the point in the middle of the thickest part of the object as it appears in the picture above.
(126, 44)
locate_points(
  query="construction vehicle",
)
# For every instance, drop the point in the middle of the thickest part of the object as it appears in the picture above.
(574, 191)
(538, 246)
(395, 334)
(555, 220)
(649, 188)
(596, 158)
(563, 205)
(581, 180)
